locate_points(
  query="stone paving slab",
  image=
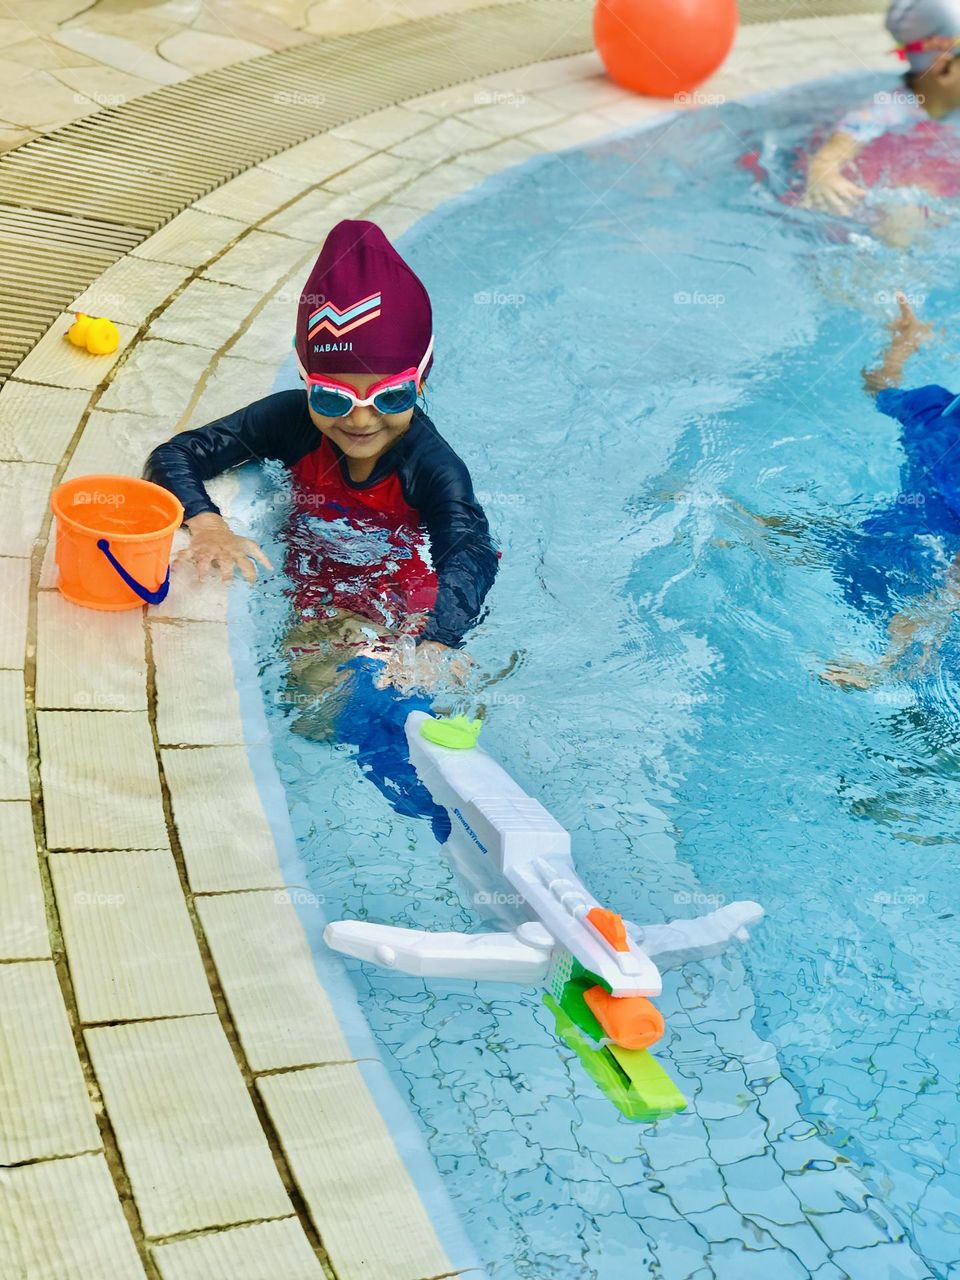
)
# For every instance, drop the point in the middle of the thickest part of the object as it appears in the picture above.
(320, 157)
(254, 194)
(117, 442)
(307, 219)
(281, 1012)
(44, 1106)
(188, 1132)
(14, 781)
(24, 495)
(57, 363)
(23, 917)
(224, 833)
(276, 1250)
(15, 594)
(63, 1221)
(128, 936)
(158, 379)
(37, 423)
(205, 314)
(101, 785)
(190, 239)
(131, 289)
(366, 1208)
(258, 261)
(88, 660)
(197, 699)
(233, 382)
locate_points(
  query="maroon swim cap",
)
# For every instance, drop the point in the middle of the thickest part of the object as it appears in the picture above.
(362, 309)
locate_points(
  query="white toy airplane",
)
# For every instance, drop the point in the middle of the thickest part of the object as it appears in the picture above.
(600, 969)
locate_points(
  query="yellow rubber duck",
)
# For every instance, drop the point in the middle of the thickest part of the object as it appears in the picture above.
(99, 335)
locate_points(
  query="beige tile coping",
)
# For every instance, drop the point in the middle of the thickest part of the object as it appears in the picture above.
(117, 442)
(24, 495)
(131, 289)
(64, 1222)
(276, 1250)
(44, 1107)
(205, 314)
(89, 660)
(226, 839)
(23, 917)
(361, 1198)
(283, 1015)
(14, 781)
(259, 261)
(190, 239)
(15, 594)
(128, 937)
(190, 1139)
(158, 379)
(37, 423)
(101, 786)
(197, 699)
(254, 194)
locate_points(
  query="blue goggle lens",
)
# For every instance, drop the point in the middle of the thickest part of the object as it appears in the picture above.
(334, 404)
(396, 399)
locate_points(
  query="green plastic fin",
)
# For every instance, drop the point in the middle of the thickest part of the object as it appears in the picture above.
(632, 1079)
(457, 732)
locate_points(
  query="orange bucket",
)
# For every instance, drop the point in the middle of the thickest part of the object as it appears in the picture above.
(114, 536)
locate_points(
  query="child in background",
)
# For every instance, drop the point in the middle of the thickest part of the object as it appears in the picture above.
(898, 139)
(911, 538)
(371, 475)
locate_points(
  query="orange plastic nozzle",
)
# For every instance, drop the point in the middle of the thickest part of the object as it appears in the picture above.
(610, 926)
(630, 1021)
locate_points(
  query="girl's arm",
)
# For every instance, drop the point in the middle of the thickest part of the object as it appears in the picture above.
(827, 187)
(907, 335)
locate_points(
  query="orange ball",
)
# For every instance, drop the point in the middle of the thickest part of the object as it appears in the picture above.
(663, 47)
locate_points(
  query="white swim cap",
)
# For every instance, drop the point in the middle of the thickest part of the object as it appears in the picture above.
(911, 20)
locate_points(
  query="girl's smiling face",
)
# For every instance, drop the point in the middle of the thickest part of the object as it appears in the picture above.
(363, 433)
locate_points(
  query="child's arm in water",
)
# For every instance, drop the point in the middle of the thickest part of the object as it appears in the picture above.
(828, 189)
(907, 335)
(927, 619)
(275, 427)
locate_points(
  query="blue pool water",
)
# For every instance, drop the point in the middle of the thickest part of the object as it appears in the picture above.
(640, 352)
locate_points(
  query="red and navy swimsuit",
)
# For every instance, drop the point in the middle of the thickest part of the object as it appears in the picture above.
(354, 546)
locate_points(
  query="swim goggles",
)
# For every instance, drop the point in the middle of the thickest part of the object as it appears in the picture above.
(930, 44)
(396, 394)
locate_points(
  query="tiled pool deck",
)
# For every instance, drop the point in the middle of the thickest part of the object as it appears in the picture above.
(179, 1100)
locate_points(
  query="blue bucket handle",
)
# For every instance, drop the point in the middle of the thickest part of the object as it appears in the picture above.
(145, 594)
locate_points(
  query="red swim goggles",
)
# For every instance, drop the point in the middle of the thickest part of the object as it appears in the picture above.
(396, 394)
(930, 44)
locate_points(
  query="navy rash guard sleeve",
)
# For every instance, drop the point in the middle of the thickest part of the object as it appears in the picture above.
(437, 483)
(278, 426)
(930, 440)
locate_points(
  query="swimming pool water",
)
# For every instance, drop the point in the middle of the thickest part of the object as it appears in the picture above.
(641, 351)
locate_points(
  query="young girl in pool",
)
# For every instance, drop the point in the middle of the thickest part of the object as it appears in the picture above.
(371, 475)
(899, 139)
(915, 538)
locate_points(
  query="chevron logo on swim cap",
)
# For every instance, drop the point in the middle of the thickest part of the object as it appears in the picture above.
(340, 321)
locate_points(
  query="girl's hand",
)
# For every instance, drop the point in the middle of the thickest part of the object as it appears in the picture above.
(215, 548)
(425, 666)
(828, 189)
